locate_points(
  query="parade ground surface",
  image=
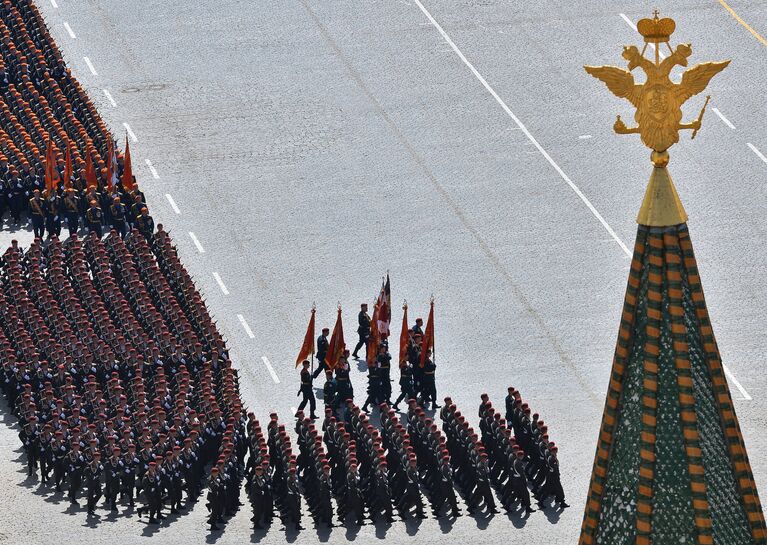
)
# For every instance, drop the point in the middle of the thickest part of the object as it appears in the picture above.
(297, 150)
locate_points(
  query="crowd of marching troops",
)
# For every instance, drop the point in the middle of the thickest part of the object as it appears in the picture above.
(59, 164)
(124, 392)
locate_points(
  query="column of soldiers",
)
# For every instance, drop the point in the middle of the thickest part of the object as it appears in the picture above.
(469, 460)
(542, 465)
(43, 105)
(118, 416)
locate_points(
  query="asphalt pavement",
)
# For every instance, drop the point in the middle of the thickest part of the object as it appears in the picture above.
(298, 150)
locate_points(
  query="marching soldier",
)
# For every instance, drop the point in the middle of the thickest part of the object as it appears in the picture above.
(117, 212)
(75, 467)
(307, 391)
(71, 205)
(259, 489)
(53, 215)
(407, 389)
(384, 364)
(429, 387)
(343, 380)
(363, 330)
(145, 223)
(215, 499)
(330, 392)
(322, 351)
(93, 481)
(152, 487)
(94, 218)
(113, 471)
(37, 212)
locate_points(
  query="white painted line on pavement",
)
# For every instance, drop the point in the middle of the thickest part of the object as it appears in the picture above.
(109, 98)
(737, 384)
(196, 243)
(172, 204)
(758, 153)
(724, 119)
(69, 30)
(152, 170)
(220, 283)
(270, 369)
(90, 66)
(54, 4)
(630, 23)
(519, 123)
(584, 136)
(245, 326)
(130, 132)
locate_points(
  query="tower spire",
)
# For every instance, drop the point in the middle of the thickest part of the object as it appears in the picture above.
(671, 465)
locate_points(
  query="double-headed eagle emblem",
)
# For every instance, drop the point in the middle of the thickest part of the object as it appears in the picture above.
(658, 100)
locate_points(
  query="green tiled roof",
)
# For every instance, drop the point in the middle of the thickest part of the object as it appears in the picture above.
(671, 466)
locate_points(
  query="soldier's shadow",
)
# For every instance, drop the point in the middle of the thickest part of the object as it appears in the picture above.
(517, 518)
(446, 524)
(412, 525)
(92, 521)
(553, 514)
(382, 527)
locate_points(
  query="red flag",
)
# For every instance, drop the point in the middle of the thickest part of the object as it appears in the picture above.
(127, 180)
(428, 335)
(374, 340)
(51, 172)
(111, 165)
(90, 170)
(68, 169)
(404, 338)
(337, 345)
(308, 346)
(384, 313)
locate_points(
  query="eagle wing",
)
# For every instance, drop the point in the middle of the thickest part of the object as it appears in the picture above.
(620, 82)
(696, 79)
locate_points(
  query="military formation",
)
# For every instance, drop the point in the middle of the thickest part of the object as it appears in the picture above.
(122, 385)
(59, 165)
(123, 388)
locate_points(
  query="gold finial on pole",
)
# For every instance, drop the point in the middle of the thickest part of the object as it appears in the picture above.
(658, 102)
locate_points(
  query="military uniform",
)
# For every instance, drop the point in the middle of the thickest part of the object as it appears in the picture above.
(307, 392)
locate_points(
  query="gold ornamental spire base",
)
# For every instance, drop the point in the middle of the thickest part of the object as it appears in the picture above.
(661, 206)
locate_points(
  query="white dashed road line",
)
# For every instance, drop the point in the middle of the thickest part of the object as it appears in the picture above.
(527, 133)
(724, 119)
(269, 368)
(90, 66)
(196, 242)
(153, 171)
(737, 384)
(220, 283)
(756, 150)
(584, 136)
(245, 326)
(130, 132)
(69, 30)
(54, 4)
(109, 98)
(172, 203)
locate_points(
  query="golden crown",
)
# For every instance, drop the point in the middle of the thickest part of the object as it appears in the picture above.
(656, 30)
